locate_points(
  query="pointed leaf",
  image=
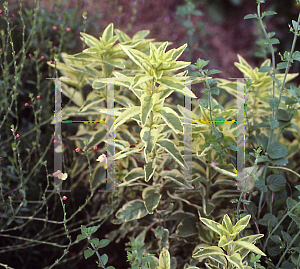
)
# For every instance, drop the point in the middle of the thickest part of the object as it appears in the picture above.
(171, 119)
(227, 223)
(236, 260)
(132, 210)
(170, 147)
(126, 115)
(147, 104)
(149, 170)
(206, 252)
(164, 259)
(215, 226)
(176, 84)
(88, 253)
(241, 224)
(187, 227)
(149, 137)
(108, 33)
(132, 176)
(151, 198)
(249, 246)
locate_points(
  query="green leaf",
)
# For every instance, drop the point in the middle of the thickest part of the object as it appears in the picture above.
(274, 41)
(250, 239)
(122, 36)
(218, 107)
(103, 243)
(80, 237)
(90, 40)
(175, 84)
(104, 259)
(282, 65)
(268, 218)
(164, 260)
(96, 139)
(213, 71)
(149, 137)
(132, 176)
(132, 210)
(139, 79)
(203, 103)
(141, 34)
(296, 56)
(295, 218)
(139, 58)
(147, 104)
(149, 170)
(175, 176)
(269, 13)
(177, 52)
(241, 224)
(207, 252)
(283, 115)
(170, 147)
(273, 102)
(151, 198)
(108, 33)
(215, 226)
(275, 182)
(94, 241)
(277, 151)
(286, 237)
(187, 227)
(249, 246)
(276, 239)
(226, 222)
(126, 115)
(92, 229)
(236, 260)
(250, 16)
(264, 69)
(219, 120)
(295, 25)
(273, 123)
(69, 92)
(260, 184)
(88, 253)
(171, 119)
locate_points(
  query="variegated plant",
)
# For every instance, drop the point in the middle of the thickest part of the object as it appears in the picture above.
(229, 253)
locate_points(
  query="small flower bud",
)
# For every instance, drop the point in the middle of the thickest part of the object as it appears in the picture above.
(26, 104)
(68, 29)
(42, 57)
(65, 198)
(29, 55)
(95, 147)
(38, 97)
(17, 135)
(101, 158)
(54, 28)
(78, 150)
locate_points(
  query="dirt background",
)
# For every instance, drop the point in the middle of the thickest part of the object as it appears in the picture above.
(225, 32)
